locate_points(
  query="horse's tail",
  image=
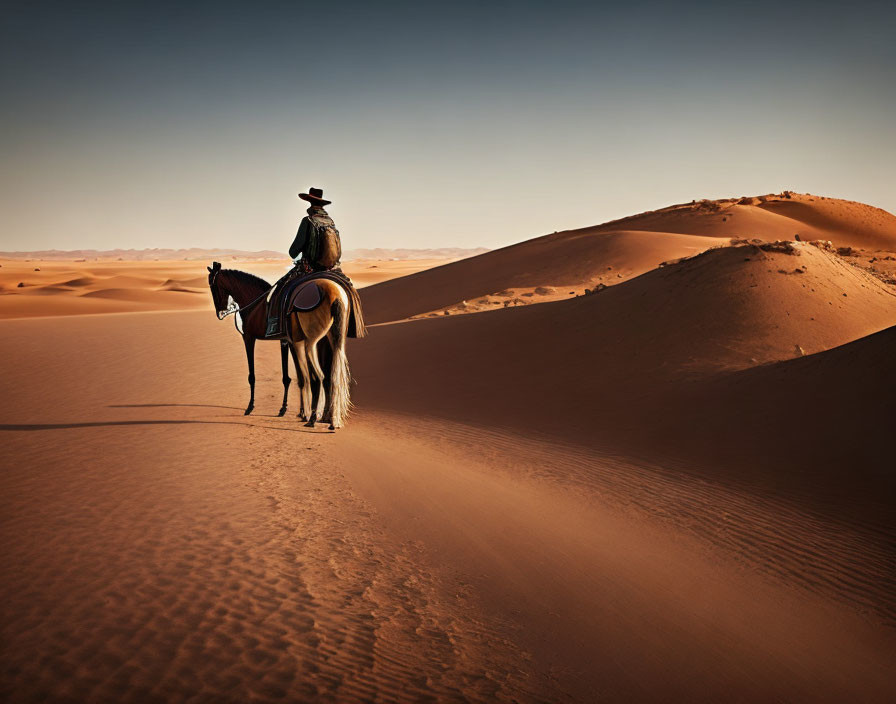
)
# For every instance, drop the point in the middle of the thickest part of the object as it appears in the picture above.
(341, 378)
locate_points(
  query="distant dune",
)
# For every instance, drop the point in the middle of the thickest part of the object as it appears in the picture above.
(141, 255)
(199, 254)
(67, 287)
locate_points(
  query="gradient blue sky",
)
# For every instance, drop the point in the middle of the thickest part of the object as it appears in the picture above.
(428, 124)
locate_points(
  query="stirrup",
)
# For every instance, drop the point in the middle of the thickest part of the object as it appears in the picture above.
(273, 327)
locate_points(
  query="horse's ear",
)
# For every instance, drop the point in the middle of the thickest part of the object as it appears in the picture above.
(209, 269)
(216, 265)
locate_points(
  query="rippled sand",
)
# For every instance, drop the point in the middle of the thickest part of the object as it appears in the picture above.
(160, 546)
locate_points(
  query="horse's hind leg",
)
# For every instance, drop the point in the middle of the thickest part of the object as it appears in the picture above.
(340, 378)
(311, 352)
(284, 363)
(293, 348)
(325, 357)
(302, 364)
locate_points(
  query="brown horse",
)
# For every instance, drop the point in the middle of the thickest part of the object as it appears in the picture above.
(330, 399)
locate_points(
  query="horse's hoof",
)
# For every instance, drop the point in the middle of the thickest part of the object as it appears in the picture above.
(282, 412)
(248, 410)
(332, 427)
(309, 424)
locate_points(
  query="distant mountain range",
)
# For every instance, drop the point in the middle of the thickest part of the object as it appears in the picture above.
(195, 253)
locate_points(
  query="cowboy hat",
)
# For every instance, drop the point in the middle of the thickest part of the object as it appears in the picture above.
(315, 196)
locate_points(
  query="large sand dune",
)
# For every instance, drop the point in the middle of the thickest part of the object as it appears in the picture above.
(568, 260)
(614, 252)
(554, 365)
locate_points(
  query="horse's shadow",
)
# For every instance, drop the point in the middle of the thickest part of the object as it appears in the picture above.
(111, 423)
(169, 405)
(194, 405)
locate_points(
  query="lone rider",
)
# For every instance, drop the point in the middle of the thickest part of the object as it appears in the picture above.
(309, 241)
(317, 247)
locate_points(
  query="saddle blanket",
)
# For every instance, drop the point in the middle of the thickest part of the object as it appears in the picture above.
(303, 295)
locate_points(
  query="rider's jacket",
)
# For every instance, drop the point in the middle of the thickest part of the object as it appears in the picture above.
(305, 243)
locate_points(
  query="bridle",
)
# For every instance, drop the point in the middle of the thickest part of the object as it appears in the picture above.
(232, 307)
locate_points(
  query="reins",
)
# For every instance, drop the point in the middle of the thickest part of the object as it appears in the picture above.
(239, 309)
(234, 308)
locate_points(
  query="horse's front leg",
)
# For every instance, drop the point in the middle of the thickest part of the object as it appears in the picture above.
(250, 358)
(284, 363)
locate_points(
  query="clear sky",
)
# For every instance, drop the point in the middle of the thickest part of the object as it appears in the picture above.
(428, 124)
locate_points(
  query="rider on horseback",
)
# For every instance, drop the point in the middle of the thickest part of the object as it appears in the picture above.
(317, 247)
(317, 239)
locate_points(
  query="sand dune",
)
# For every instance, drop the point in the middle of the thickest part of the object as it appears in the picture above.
(122, 294)
(774, 217)
(826, 418)
(570, 261)
(48, 290)
(728, 308)
(846, 223)
(614, 252)
(200, 282)
(95, 287)
(617, 368)
(80, 281)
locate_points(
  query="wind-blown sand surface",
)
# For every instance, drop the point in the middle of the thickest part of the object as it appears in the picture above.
(159, 545)
(676, 489)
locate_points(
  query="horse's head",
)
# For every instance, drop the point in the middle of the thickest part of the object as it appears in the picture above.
(219, 295)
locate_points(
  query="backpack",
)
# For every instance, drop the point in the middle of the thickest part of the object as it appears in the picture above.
(326, 248)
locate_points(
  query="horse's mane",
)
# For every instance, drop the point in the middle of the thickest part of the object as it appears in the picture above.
(244, 277)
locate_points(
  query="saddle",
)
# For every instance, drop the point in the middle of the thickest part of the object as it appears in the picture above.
(301, 294)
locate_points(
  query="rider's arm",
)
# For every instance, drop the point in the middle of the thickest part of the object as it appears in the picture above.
(301, 239)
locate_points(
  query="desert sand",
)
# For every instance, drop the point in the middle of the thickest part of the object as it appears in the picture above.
(80, 287)
(678, 487)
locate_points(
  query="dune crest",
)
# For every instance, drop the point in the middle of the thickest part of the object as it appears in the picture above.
(607, 254)
(774, 216)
